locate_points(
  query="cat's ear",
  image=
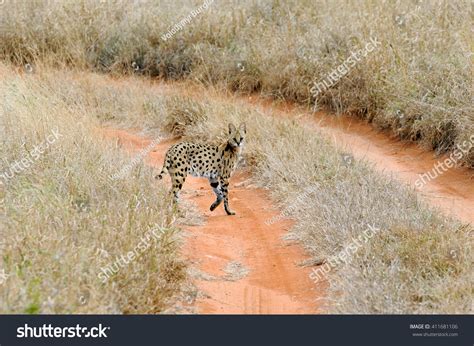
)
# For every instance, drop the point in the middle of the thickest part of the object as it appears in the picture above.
(232, 128)
(243, 128)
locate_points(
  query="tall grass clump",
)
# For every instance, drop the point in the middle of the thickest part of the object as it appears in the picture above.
(417, 83)
(63, 219)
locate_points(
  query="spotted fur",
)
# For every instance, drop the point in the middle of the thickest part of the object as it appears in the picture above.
(214, 162)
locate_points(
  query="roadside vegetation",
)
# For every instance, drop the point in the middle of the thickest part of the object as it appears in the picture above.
(63, 219)
(417, 83)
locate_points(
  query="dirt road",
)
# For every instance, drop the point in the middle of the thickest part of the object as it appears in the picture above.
(240, 264)
(452, 192)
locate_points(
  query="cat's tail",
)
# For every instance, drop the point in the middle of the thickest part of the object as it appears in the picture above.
(166, 166)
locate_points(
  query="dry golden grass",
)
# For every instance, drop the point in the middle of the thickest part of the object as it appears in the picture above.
(418, 83)
(62, 219)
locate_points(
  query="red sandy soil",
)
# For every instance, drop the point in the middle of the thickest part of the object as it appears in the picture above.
(266, 277)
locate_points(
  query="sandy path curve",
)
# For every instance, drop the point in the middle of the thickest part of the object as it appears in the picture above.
(244, 266)
(452, 192)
